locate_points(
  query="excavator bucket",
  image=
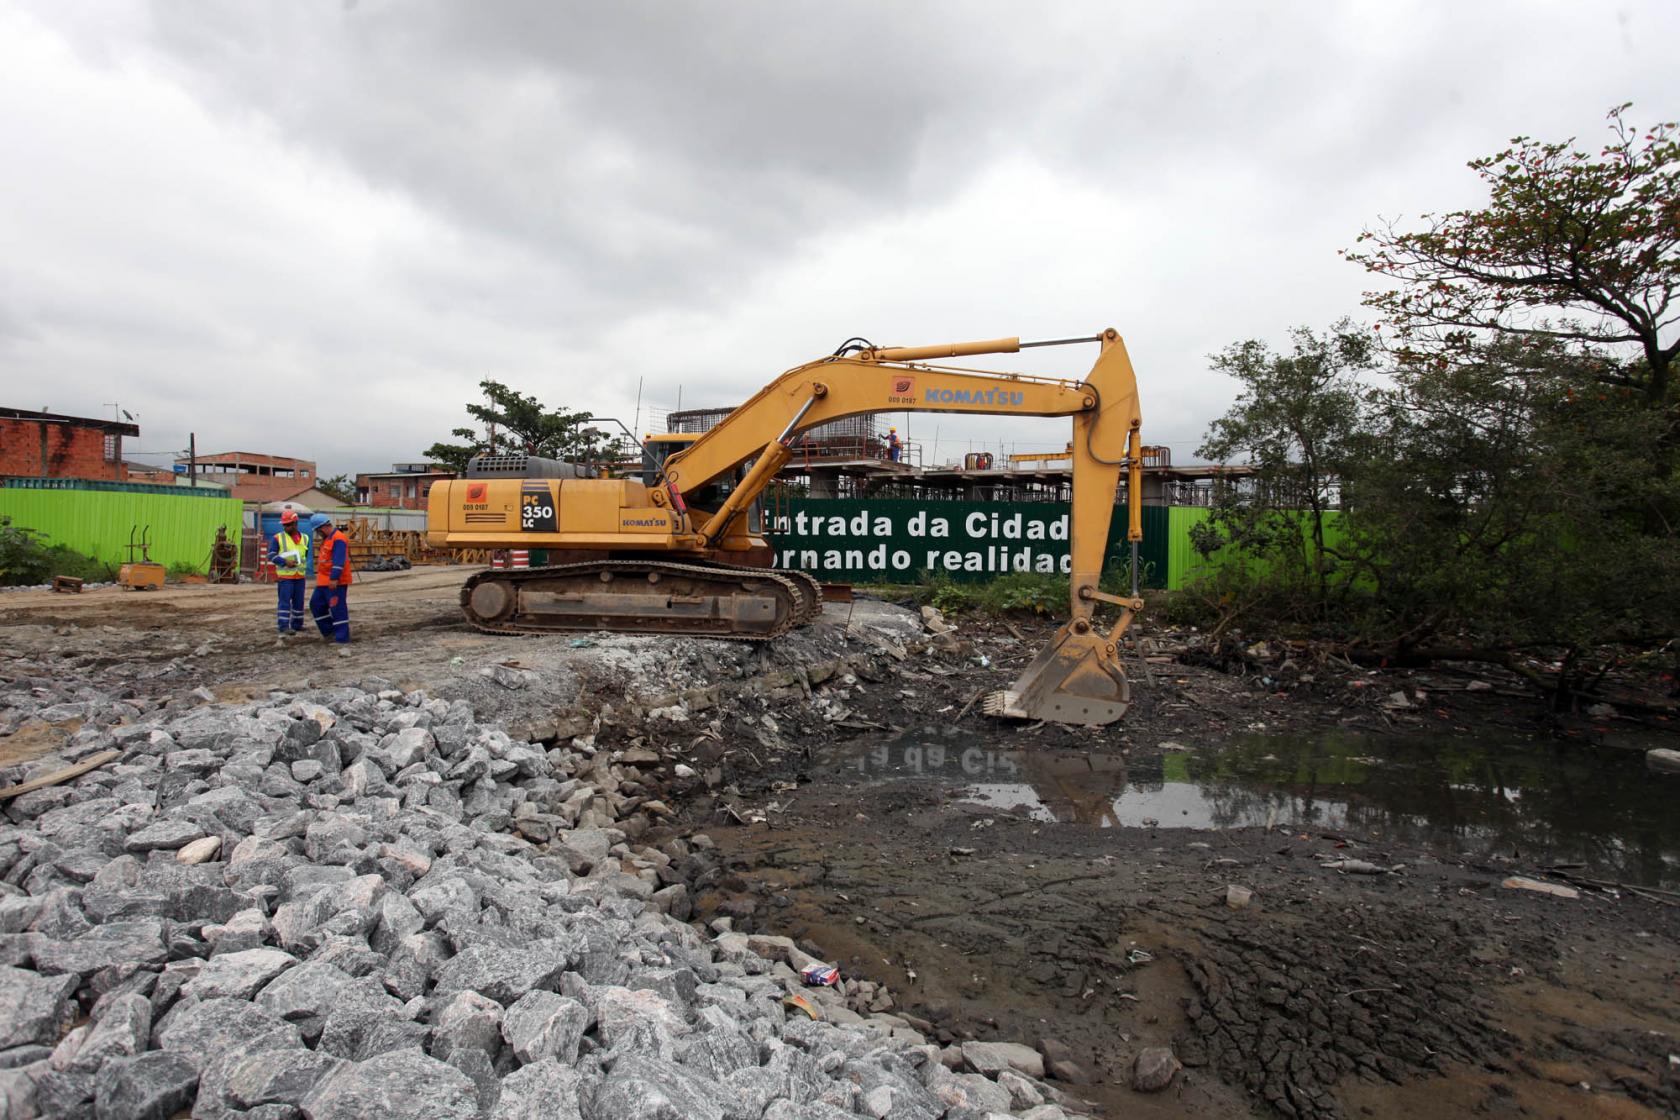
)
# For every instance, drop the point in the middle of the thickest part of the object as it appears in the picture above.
(1076, 678)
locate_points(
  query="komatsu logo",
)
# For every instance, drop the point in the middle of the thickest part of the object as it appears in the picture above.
(1006, 397)
(647, 522)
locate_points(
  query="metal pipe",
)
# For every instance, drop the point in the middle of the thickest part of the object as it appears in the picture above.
(1060, 341)
(615, 420)
(787, 432)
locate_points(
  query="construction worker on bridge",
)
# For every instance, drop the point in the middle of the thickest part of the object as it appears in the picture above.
(288, 551)
(331, 602)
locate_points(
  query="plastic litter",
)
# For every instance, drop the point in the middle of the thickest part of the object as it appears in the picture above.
(820, 975)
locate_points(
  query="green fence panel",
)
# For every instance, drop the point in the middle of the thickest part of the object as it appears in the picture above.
(98, 522)
(867, 540)
(1155, 551)
(1182, 557)
(1184, 564)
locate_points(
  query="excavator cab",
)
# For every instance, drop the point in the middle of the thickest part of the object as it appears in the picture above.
(656, 449)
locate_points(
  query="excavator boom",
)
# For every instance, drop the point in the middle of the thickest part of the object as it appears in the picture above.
(676, 556)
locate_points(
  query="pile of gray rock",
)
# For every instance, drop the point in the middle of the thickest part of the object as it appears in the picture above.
(363, 903)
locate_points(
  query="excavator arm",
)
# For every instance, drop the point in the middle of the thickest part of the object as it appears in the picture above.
(1107, 424)
(1077, 677)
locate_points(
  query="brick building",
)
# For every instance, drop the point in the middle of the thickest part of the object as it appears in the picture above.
(252, 477)
(150, 473)
(48, 445)
(404, 486)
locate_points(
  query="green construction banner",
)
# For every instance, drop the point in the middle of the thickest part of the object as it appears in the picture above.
(181, 528)
(847, 540)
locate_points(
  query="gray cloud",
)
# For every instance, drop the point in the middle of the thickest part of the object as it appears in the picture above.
(378, 203)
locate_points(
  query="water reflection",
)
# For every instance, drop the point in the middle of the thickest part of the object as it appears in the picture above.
(1531, 799)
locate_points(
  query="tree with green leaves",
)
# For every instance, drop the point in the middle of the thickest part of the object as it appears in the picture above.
(1573, 248)
(1490, 506)
(1511, 484)
(340, 486)
(1295, 424)
(1499, 508)
(455, 456)
(1526, 485)
(515, 421)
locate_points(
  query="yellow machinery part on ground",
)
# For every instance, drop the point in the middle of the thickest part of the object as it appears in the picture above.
(141, 575)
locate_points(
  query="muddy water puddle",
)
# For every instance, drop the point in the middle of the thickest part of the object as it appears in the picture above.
(1083, 898)
(1528, 800)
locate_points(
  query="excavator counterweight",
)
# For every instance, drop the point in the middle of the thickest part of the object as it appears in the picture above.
(681, 551)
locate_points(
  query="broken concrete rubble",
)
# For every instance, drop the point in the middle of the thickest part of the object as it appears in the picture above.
(362, 903)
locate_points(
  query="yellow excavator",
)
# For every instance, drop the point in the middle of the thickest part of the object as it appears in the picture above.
(681, 550)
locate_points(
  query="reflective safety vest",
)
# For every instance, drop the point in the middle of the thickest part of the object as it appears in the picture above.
(334, 550)
(290, 555)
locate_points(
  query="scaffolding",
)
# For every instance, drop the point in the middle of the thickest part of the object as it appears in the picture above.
(853, 434)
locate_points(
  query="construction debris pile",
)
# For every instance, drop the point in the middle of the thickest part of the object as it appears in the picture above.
(359, 902)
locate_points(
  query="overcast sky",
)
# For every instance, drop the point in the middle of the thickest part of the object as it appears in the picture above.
(309, 227)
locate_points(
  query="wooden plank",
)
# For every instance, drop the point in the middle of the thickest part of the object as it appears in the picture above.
(92, 762)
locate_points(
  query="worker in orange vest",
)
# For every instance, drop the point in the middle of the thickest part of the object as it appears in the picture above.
(289, 553)
(331, 602)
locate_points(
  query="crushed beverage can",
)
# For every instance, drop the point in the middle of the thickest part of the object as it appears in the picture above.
(819, 975)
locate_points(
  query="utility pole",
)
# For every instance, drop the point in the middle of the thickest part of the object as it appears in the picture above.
(192, 459)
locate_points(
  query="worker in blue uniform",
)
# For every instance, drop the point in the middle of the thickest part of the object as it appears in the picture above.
(331, 602)
(288, 551)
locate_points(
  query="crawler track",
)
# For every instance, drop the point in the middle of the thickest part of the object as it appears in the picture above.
(642, 597)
